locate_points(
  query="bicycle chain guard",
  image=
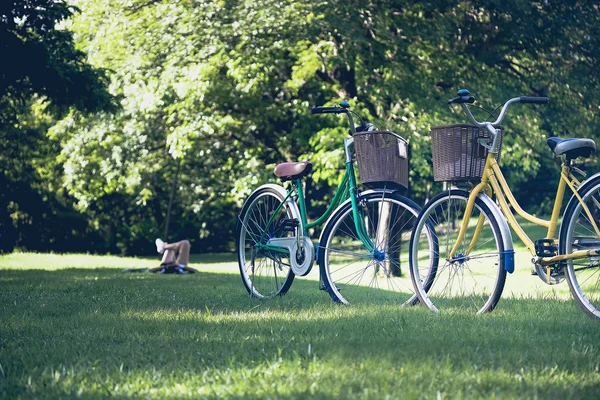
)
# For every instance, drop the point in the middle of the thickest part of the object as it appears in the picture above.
(301, 259)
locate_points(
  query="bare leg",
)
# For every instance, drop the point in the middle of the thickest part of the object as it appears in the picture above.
(168, 257)
(182, 248)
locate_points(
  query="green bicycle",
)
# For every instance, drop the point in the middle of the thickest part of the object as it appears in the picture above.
(362, 251)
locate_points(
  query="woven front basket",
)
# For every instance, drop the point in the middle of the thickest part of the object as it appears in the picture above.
(457, 154)
(382, 158)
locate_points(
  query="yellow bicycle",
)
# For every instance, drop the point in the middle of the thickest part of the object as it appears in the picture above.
(471, 231)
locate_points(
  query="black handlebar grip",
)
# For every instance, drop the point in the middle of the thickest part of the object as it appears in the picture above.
(327, 110)
(462, 99)
(534, 100)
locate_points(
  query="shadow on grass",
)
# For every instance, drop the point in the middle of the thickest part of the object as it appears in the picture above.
(114, 322)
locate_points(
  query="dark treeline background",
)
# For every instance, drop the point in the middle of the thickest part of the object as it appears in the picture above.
(103, 101)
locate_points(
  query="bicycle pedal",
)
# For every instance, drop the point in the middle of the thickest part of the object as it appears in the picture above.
(288, 224)
(545, 248)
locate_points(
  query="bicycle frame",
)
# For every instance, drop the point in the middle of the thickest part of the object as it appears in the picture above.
(347, 188)
(493, 181)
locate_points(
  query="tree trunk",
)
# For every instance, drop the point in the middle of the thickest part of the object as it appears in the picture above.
(170, 206)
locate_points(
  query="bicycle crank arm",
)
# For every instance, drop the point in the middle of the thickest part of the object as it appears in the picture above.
(301, 258)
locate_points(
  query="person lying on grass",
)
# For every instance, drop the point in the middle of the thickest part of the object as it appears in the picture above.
(170, 265)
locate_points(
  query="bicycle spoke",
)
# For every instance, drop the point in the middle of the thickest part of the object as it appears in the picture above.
(265, 273)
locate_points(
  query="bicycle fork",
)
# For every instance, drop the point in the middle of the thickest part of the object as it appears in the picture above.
(483, 192)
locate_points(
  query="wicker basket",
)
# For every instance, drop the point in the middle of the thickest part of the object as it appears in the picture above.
(382, 158)
(457, 154)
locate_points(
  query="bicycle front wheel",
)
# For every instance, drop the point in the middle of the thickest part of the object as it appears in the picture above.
(579, 231)
(265, 273)
(473, 278)
(353, 274)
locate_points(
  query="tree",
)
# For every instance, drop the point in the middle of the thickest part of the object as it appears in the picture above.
(222, 90)
(41, 76)
(43, 59)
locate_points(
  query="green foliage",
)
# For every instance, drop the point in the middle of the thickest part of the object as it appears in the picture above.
(43, 60)
(41, 76)
(223, 89)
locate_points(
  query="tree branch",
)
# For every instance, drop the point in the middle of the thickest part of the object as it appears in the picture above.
(135, 8)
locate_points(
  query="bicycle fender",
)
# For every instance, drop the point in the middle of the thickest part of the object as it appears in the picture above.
(581, 189)
(290, 203)
(509, 252)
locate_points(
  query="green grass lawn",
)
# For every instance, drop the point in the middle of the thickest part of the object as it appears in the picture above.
(76, 326)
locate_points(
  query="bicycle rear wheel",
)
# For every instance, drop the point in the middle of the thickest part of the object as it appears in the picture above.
(577, 232)
(352, 274)
(265, 273)
(472, 279)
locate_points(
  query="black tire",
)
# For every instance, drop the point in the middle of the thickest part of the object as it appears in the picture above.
(472, 283)
(577, 232)
(350, 274)
(265, 274)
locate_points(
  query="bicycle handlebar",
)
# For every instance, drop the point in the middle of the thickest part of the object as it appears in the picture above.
(464, 97)
(337, 110)
(534, 100)
(327, 110)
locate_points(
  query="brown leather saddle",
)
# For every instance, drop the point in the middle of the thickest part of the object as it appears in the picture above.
(289, 171)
